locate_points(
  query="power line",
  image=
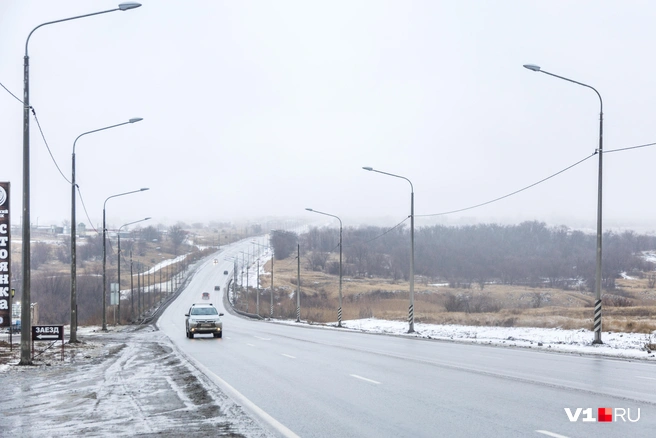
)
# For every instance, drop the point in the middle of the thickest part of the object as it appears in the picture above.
(48, 147)
(629, 148)
(510, 194)
(41, 131)
(11, 93)
(84, 207)
(388, 231)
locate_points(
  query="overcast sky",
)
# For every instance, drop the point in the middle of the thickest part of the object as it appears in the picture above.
(258, 109)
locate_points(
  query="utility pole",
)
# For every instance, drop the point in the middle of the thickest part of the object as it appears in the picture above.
(131, 289)
(298, 283)
(273, 255)
(139, 288)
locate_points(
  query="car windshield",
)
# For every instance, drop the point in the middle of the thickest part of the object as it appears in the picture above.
(203, 311)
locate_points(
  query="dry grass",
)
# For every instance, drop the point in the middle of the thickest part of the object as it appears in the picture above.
(517, 305)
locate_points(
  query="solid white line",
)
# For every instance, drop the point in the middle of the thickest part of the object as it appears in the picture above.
(246, 403)
(648, 378)
(364, 378)
(250, 345)
(287, 355)
(554, 435)
(264, 339)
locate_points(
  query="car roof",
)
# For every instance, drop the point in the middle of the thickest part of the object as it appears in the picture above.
(203, 305)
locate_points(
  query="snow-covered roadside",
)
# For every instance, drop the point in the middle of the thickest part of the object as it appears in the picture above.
(122, 383)
(619, 345)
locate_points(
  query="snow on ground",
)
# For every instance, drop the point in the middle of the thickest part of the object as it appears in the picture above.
(133, 381)
(164, 264)
(619, 345)
(126, 382)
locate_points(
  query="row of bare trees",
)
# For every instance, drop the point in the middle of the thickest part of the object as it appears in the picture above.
(51, 285)
(529, 253)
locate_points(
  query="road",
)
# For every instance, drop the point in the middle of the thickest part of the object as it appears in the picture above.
(316, 382)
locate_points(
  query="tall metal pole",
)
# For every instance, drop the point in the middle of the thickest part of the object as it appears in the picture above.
(139, 288)
(257, 290)
(104, 276)
(298, 283)
(339, 310)
(131, 289)
(600, 152)
(119, 276)
(26, 302)
(411, 307)
(149, 290)
(73, 330)
(119, 263)
(258, 281)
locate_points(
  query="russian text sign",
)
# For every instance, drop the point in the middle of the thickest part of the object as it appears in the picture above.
(5, 256)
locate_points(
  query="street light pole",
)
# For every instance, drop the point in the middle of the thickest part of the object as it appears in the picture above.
(411, 308)
(600, 152)
(73, 336)
(258, 278)
(26, 317)
(119, 264)
(339, 311)
(131, 288)
(104, 276)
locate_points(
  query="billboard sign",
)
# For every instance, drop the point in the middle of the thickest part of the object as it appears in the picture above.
(5, 256)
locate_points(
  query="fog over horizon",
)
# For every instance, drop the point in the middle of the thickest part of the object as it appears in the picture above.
(256, 111)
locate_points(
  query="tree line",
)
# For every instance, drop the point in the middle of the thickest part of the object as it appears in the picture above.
(529, 253)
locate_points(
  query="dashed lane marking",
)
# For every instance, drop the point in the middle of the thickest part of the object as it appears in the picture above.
(365, 379)
(551, 434)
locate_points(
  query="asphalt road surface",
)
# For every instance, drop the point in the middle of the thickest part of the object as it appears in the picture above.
(317, 382)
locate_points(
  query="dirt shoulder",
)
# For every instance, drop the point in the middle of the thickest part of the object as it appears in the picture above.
(127, 382)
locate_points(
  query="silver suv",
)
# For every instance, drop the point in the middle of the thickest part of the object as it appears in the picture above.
(203, 318)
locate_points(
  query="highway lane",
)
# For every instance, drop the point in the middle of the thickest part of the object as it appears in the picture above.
(325, 383)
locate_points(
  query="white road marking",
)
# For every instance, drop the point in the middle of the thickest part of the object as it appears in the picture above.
(364, 378)
(648, 378)
(249, 405)
(287, 355)
(547, 433)
(250, 345)
(264, 339)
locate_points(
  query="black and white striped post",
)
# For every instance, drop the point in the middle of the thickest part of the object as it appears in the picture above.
(600, 152)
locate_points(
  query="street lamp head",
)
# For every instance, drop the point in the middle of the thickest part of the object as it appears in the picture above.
(129, 5)
(136, 119)
(532, 67)
(309, 209)
(144, 189)
(147, 219)
(368, 168)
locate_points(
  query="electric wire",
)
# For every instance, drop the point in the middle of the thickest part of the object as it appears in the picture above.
(629, 148)
(84, 207)
(388, 231)
(41, 131)
(510, 194)
(1, 85)
(47, 146)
